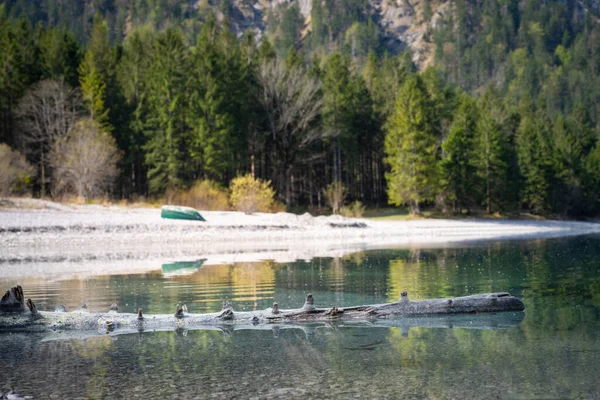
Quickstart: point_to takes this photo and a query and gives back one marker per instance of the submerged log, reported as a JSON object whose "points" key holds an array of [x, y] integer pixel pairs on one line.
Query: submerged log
{"points": [[12, 318]]}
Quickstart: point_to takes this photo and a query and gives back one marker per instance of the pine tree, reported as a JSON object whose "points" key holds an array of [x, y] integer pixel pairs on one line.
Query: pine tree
{"points": [[93, 88], [20, 68], [60, 55], [166, 128], [132, 76], [217, 89], [535, 156], [458, 166], [492, 152], [96, 73], [410, 147], [336, 106]]}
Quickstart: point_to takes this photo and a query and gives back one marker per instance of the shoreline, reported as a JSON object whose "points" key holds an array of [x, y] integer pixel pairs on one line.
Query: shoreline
{"points": [[91, 240]]}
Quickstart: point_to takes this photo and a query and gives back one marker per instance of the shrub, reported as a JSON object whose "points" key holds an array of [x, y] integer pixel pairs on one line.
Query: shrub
{"points": [[250, 195], [354, 210], [278, 207], [203, 195], [334, 196], [15, 172]]}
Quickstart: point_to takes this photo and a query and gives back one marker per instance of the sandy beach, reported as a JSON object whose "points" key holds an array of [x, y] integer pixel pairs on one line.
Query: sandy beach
{"points": [[48, 239]]}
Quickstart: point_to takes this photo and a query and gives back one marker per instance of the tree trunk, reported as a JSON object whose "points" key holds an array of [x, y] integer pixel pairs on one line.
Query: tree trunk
{"points": [[43, 178], [288, 186]]}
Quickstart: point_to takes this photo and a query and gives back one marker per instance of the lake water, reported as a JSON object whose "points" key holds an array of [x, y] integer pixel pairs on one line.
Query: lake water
{"points": [[554, 352]]}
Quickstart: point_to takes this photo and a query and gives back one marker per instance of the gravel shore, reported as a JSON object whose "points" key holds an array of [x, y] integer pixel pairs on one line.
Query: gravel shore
{"points": [[37, 232]]}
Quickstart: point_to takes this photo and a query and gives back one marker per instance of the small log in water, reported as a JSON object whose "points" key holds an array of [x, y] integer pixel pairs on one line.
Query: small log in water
{"points": [[15, 314]]}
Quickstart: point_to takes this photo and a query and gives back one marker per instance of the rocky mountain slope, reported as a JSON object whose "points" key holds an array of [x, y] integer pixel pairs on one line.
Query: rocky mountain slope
{"points": [[401, 22]]}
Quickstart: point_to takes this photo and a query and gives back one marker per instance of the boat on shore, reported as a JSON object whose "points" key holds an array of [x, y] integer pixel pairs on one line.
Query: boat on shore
{"points": [[180, 212]]}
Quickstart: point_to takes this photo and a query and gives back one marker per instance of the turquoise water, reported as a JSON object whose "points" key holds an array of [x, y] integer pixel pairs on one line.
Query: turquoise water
{"points": [[554, 352]]}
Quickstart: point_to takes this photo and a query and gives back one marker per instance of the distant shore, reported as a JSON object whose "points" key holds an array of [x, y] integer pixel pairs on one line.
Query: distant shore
{"points": [[55, 234]]}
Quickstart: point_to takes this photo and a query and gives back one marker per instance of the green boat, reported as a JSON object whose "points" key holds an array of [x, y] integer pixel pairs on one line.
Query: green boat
{"points": [[179, 212]]}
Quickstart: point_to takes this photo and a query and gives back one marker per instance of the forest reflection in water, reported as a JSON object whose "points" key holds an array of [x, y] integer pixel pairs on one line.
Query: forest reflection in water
{"points": [[554, 352]]}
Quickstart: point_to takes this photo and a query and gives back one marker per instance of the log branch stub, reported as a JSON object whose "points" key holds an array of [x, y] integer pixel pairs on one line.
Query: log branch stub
{"points": [[180, 311], [309, 303], [226, 311], [275, 309], [404, 296], [31, 306], [82, 309], [139, 312], [13, 300], [334, 311]]}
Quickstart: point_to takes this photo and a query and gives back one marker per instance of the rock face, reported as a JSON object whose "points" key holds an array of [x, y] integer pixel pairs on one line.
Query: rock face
{"points": [[400, 21]]}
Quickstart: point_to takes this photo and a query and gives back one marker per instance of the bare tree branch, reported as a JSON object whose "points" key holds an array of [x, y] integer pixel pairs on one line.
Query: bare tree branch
{"points": [[46, 112], [293, 105]]}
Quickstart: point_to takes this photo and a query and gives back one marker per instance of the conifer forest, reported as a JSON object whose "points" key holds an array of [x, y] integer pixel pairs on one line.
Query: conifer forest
{"points": [[497, 112]]}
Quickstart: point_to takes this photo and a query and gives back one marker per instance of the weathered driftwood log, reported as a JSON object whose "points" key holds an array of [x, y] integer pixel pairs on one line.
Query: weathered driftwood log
{"points": [[15, 315], [483, 321]]}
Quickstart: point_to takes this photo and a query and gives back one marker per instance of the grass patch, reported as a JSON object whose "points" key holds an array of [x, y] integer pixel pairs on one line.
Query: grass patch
{"points": [[403, 214], [389, 214]]}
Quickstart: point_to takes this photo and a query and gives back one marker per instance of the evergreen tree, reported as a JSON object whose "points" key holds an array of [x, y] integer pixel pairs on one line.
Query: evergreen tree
{"points": [[535, 155], [60, 55], [410, 147], [291, 26], [93, 88], [218, 107], [493, 151], [20, 68], [336, 106], [96, 73], [458, 164], [132, 76], [166, 128]]}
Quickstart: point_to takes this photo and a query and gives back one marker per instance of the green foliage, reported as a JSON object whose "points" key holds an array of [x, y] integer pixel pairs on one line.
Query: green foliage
{"points": [[251, 195], [410, 147], [187, 101], [96, 72], [213, 123], [19, 58], [291, 26], [165, 126], [60, 55], [458, 163], [93, 88], [535, 156], [494, 152]]}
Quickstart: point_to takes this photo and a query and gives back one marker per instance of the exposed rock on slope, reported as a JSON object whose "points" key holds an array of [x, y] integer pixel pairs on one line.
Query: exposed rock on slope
{"points": [[400, 21]]}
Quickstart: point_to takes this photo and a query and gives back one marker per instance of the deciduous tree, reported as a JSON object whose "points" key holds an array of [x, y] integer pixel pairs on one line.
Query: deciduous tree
{"points": [[47, 112], [85, 160], [292, 102]]}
